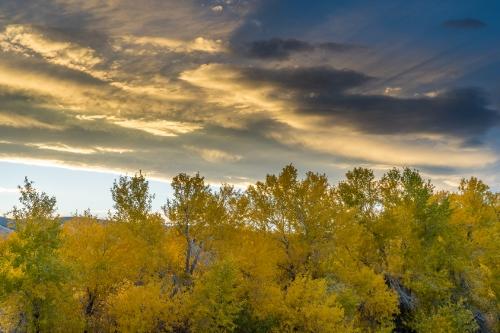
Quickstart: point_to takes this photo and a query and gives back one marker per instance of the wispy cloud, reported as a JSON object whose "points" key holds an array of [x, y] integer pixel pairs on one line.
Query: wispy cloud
{"points": [[156, 127], [60, 147], [464, 23], [199, 44], [29, 41], [4, 190], [20, 121], [215, 155]]}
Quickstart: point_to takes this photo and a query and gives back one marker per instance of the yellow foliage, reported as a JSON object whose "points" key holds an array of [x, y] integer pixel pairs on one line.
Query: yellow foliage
{"points": [[308, 307], [286, 255], [142, 308]]}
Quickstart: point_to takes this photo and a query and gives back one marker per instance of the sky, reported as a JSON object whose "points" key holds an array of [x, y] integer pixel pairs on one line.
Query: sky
{"points": [[236, 89]]}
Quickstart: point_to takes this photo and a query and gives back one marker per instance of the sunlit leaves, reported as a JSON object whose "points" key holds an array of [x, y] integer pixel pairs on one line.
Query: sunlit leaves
{"points": [[292, 253]]}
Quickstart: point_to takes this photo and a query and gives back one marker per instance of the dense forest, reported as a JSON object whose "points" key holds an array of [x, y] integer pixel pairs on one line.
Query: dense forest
{"points": [[288, 254]]}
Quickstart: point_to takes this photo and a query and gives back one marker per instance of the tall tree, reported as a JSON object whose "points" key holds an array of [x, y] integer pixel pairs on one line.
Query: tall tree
{"points": [[31, 272], [187, 212]]}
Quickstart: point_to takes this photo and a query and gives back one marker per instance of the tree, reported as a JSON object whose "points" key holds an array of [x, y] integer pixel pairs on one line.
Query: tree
{"points": [[216, 300], [447, 318], [299, 214], [289, 254], [133, 208], [132, 200], [308, 307], [360, 191], [143, 308], [102, 257], [31, 272], [187, 212]]}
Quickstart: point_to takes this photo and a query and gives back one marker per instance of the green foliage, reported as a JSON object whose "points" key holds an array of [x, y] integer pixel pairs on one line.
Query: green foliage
{"points": [[32, 275], [447, 318], [289, 254], [132, 198], [215, 302]]}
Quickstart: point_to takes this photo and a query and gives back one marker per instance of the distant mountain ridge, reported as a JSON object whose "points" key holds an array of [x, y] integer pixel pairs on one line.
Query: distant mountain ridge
{"points": [[4, 221], [5, 228]]}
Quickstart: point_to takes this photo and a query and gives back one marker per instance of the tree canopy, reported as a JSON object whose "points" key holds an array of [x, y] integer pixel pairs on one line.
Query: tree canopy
{"points": [[288, 254]]}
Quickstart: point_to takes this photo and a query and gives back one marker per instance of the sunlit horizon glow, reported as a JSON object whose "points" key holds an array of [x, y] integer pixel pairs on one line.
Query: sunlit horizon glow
{"points": [[238, 89]]}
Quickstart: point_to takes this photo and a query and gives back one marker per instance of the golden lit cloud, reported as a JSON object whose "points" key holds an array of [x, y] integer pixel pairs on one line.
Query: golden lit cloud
{"points": [[229, 88], [19, 121], [215, 155], [392, 150], [28, 41], [62, 148], [158, 87], [156, 127], [199, 44], [79, 150], [67, 91], [113, 150], [226, 87]]}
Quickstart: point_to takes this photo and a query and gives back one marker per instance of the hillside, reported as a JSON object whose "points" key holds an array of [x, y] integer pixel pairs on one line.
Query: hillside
{"points": [[3, 221], [4, 226]]}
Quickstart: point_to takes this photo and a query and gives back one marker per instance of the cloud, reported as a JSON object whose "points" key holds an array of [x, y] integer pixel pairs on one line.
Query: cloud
{"points": [[327, 92], [229, 89], [462, 113], [276, 48], [215, 155], [319, 110], [176, 19], [280, 49], [464, 23], [28, 41], [155, 127], [330, 94], [20, 121], [337, 47], [4, 190], [318, 79], [217, 9], [173, 87], [32, 78], [199, 44], [60, 147], [388, 149], [394, 91], [247, 93]]}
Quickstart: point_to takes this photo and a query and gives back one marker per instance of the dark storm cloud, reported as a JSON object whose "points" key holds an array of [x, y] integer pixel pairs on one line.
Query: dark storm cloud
{"points": [[325, 91], [276, 48], [462, 112], [337, 47], [465, 23], [320, 79], [280, 49]]}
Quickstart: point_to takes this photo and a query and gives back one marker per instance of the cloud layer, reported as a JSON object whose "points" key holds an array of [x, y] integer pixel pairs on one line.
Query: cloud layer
{"points": [[221, 88], [280, 49]]}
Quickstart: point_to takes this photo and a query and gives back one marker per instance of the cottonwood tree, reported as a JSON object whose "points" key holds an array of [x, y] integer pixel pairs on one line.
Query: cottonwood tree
{"points": [[188, 212], [31, 272]]}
